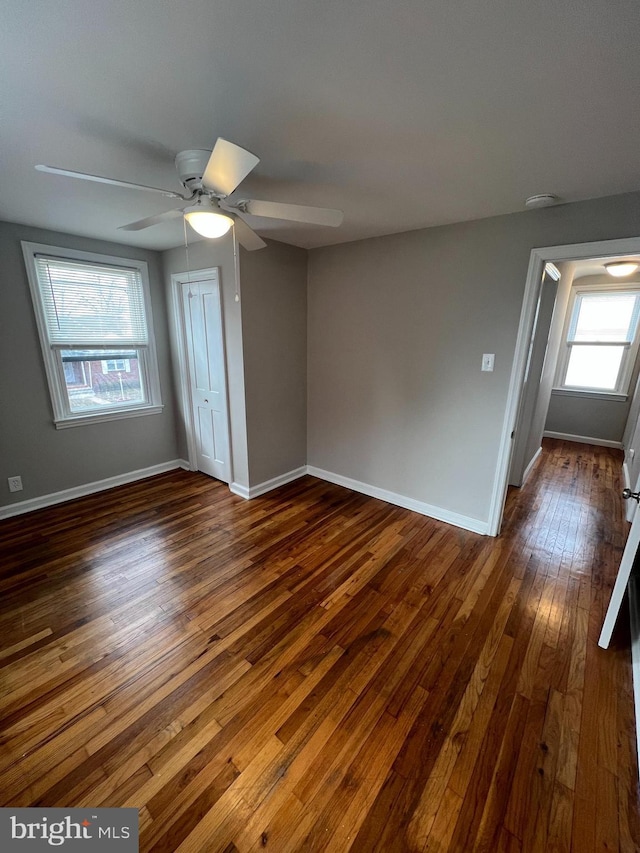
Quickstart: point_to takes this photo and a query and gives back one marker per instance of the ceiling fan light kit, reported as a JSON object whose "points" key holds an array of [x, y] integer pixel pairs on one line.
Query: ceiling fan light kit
{"points": [[210, 177], [207, 219]]}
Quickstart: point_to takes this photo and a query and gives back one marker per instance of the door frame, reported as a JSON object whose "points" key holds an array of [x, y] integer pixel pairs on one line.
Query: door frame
{"points": [[537, 260], [184, 379]]}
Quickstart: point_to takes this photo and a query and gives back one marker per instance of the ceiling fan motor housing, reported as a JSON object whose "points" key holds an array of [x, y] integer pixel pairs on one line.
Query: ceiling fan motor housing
{"points": [[191, 165]]}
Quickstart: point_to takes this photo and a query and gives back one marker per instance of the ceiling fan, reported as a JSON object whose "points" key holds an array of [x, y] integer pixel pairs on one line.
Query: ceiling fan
{"points": [[209, 178]]}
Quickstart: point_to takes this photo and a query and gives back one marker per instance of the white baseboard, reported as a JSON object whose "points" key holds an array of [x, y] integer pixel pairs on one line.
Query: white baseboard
{"points": [[472, 524], [583, 439], [467, 523], [634, 610], [261, 488], [89, 488], [240, 491], [529, 467]]}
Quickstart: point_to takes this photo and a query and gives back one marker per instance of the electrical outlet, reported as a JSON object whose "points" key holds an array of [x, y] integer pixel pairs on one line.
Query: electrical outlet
{"points": [[15, 484]]}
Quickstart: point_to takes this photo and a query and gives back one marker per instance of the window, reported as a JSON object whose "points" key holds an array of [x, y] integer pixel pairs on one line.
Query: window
{"points": [[96, 333], [116, 364], [601, 341]]}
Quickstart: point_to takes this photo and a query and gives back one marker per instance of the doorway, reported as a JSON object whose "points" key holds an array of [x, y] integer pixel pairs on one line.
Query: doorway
{"points": [[538, 260], [202, 370]]}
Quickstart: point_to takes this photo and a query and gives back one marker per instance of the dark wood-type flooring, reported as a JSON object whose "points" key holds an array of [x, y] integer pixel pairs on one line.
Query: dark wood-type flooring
{"points": [[318, 670]]}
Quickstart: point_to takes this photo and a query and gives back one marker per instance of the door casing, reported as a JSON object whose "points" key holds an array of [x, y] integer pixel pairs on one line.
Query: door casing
{"points": [[182, 361], [537, 261]]}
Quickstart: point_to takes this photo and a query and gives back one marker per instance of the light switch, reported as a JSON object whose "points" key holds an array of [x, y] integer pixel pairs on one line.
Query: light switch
{"points": [[487, 361]]}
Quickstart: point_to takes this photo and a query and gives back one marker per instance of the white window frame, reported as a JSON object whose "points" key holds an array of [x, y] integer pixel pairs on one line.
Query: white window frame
{"points": [[628, 361], [148, 363]]}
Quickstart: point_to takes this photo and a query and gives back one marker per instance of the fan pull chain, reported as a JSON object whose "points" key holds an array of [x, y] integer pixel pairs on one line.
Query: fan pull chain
{"points": [[186, 251], [236, 265]]}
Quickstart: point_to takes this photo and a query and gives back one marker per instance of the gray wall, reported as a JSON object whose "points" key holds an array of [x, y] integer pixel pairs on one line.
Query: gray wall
{"points": [[396, 329], [51, 460], [274, 317], [206, 254], [397, 326], [587, 416]]}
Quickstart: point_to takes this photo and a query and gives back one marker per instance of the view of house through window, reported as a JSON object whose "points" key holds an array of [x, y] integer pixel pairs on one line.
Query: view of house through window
{"points": [[98, 378], [94, 325], [601, 341]]}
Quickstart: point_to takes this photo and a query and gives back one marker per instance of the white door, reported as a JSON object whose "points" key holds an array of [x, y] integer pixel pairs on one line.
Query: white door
{"points": [[202, 311], [622, 579], [531, 418], [632, 458]]}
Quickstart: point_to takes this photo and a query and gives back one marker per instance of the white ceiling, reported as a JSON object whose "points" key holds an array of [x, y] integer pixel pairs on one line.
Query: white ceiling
{"points": [[404, 114], [589, 267]]}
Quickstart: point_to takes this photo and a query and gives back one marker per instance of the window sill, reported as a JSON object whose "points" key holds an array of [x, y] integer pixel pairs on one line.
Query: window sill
{"points": [[614, 396], [101, 417]]}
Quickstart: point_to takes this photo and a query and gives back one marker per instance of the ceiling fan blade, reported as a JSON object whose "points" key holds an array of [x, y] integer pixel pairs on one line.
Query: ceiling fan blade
{"points": [[247, 237], [293, 212], [68, 173], [228, 166], [151, 220]]}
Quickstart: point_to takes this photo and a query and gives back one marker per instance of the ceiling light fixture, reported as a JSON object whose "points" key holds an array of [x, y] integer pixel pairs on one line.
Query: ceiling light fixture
{"points": [[621, 268], [206, 218], [541, 200]]}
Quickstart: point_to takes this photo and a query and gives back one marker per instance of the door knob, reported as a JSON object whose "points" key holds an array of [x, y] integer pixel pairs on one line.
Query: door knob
{"points": [[627, 493]]}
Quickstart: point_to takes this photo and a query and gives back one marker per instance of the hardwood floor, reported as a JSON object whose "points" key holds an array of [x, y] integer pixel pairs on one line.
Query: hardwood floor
{"points": [[318, 670]]}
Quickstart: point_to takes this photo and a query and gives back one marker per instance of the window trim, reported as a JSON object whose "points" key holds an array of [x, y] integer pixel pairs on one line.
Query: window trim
{"points": [[63, 417], [629, 356]]}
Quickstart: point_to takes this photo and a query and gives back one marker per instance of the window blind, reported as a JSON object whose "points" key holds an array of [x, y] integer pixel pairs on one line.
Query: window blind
{"points": [[91, 305]]}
